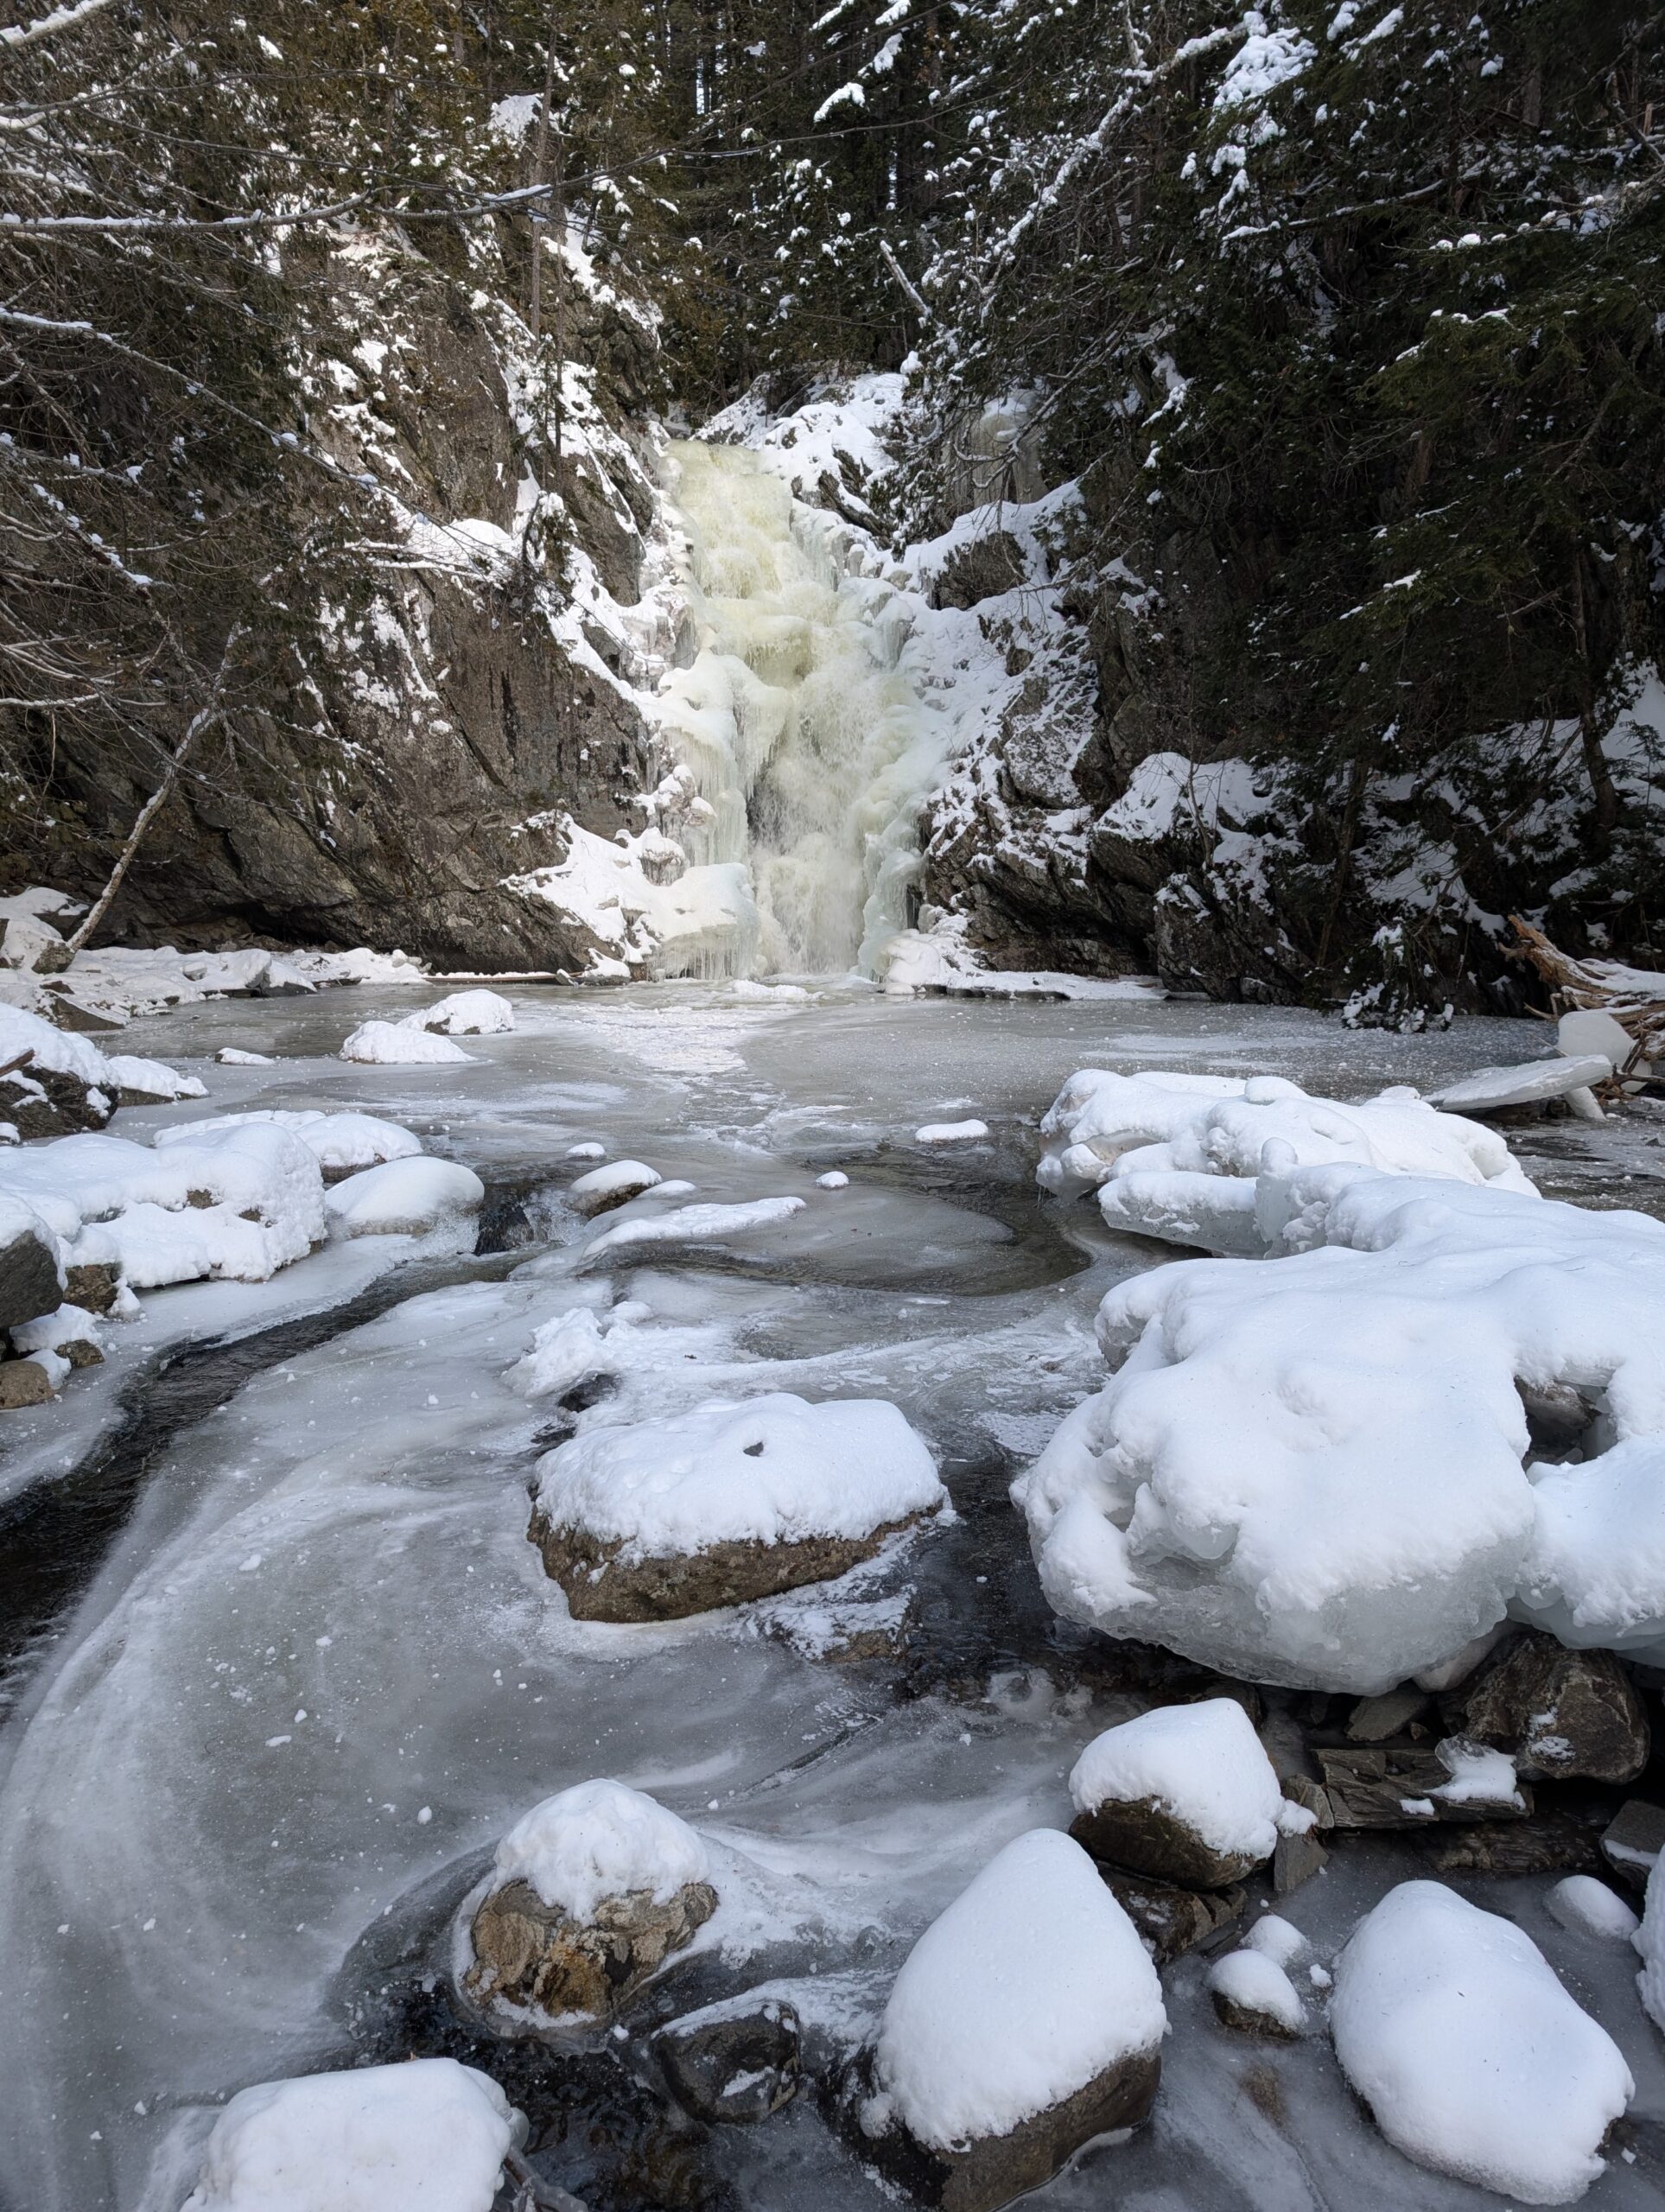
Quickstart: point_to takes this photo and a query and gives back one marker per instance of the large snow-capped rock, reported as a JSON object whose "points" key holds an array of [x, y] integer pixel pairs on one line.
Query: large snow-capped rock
{"points": [[466, 1013], [437, 1199], [1027, 2020], [1184, 1792], [238, 1201], [427, 2135], [726, 1503], [1310, 1469], [55, 1083], [342, 1143], [1474, 2061], [1176, 1155], [589, 1892], [398, 1043]]}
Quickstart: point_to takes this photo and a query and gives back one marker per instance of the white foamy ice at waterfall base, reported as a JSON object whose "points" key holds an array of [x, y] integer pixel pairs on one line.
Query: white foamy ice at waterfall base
{"points": [[1030, 1985], [1309, 1469], [429, 2135], [1176, 1155], [1473, 2059]]}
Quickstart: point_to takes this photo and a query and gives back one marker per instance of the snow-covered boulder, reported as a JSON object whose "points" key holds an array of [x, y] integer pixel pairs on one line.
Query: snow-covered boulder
{"points": [[1474, 2061], [1253, 1995], [1588, 1907], [466, 1013], [1185, 1792], [149, 1083], [74, 1333], [588, 1894], [1176, 1155], [427, 2135], [1310, 1471], [395, 1043], [1025, 2021], [599, 1189], [342, 1143], [239, 1202], [55, 1083], [727, 1503], [437, 1199], [969, 1132]]}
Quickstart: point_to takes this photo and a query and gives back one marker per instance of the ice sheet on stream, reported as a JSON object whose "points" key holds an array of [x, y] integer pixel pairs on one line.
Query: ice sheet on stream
{"points": [[395, 1528]]}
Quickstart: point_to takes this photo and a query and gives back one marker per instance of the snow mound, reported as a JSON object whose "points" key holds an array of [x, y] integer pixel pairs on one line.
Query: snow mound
{"points": [[1449, 2022], [239, 1202], [600, 1840], [392, 1044], [613, 1183], [1310, 1471], [1253, 1981], [1177, 1155], [834, 1180], [774, 1470], [1028, 1988], [573, 1347], [1589, 1908], [150, 1078], [410, 1197], [1202, 1763], [950, 1131], [694, 1226], [340, 1142], [465, 1014], [427, 2135]]}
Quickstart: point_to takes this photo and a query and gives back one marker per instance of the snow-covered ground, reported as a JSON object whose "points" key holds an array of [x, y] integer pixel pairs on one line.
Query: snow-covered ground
{"points": [[320, 1672]]}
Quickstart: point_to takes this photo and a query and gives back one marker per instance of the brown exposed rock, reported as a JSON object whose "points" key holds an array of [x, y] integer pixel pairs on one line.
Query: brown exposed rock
{"points": [[1173, 1921], [30, 1282], [94, 1286], [44, 1102], [1144, 1836], [22, 1382], [538, 1958], [1378, 1719], [1296, 1860], [735, 2062], [1547, 1844], [1249, 2020], [997, 2169], [603, 1585], [1564, 1713]]}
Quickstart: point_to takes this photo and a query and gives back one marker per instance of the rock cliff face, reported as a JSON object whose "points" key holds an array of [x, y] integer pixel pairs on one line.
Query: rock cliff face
{"points": [[443, 722]]}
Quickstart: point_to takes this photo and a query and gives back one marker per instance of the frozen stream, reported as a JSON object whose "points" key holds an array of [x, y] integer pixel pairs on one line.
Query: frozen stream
{"points": [[317, 1668]]}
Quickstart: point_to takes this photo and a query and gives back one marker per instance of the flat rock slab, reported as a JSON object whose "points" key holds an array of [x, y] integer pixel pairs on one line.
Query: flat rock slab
{"points": [[1633, 1840], [602, 1584], [538, 1959], [1488, 1089], [1372, 1790], [1142, 1835], [998, 2169]]}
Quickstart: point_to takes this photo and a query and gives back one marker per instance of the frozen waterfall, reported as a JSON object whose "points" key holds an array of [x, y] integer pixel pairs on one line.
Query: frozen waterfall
{"points": [[808, 737]]}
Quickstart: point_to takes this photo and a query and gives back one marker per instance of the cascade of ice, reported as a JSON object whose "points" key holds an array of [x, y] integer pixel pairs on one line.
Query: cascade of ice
{"points": [[807, 739]]}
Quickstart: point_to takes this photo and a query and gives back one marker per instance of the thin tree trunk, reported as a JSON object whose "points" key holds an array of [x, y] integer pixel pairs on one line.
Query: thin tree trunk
{"points": [[559, 220], [204, 719], [541, 175]]}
